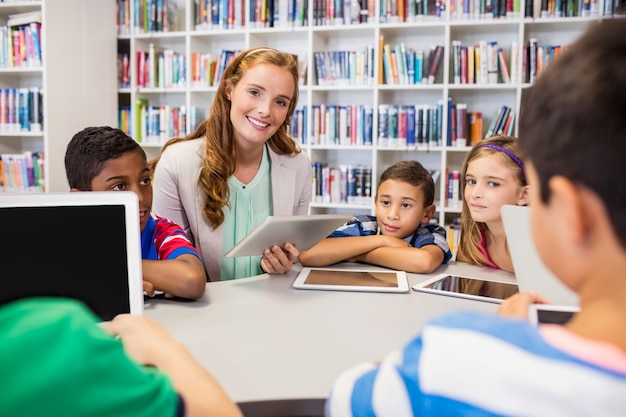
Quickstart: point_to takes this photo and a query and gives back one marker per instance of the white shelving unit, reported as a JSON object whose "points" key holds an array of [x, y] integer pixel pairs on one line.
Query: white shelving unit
{"points": [[77, 78], [303, 41]]}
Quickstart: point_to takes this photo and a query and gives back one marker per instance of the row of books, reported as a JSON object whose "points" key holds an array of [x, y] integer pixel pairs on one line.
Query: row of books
{"points": [[409, 126], [298, 125], [207, 70], [219, 14], [400, 11], [536, 58], [342, 125], [154, 125], [464, 128], [159, 69], [502, 123], [453, 197], [20, 46], [21, 109], [409, 66], [342, 12], [161, 15], [22, 172], [345, 67], [573, 8], [413, 126], [483, 63], [278, 13], [167, 68], [346, 184], [484, 9], [148, 16]]}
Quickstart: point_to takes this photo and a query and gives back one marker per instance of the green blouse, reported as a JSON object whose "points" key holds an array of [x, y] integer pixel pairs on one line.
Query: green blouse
{"points": [[250, 204]]}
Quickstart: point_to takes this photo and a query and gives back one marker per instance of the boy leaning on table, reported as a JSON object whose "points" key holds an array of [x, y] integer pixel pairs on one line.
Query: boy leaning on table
{"points": [[400, 236], [573, 130]]}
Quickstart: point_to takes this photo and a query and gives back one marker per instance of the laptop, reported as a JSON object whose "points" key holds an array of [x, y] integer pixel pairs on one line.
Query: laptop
{"points": [[530, 271], [82, 245]]}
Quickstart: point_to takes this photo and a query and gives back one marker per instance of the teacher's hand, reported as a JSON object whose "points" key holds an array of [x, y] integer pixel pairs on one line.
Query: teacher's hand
{"points": [[279, 260]]}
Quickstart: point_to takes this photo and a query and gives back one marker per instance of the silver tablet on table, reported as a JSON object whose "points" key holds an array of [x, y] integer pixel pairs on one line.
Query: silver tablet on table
{"points": [[466, 287], [302, 231]]}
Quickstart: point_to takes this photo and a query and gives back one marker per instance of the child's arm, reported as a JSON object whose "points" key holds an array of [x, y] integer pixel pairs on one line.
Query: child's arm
{"points": [[416, 260], [149, 343], [332, 250], [182, 276]]}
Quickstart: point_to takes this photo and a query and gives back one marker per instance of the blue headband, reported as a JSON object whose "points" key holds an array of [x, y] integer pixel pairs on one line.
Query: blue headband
{"points": [[506, 151]]}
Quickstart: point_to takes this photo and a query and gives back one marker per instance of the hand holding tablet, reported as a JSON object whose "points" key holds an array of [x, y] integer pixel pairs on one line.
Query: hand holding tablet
{"points": [[302, 231]]}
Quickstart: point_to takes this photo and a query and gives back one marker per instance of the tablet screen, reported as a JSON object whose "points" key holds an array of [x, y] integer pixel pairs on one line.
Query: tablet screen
{"points": [[467, 287], [359, 278], [346, 279], [554, 317], [551, 314]]}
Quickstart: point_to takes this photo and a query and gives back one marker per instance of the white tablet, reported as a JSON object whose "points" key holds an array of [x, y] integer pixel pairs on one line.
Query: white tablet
{"points": [[336, 279], [466, 287], [551, 313], [303, 231]]}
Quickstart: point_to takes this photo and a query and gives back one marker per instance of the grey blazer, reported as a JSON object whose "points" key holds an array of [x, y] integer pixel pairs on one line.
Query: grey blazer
{"points": [[177, 195]]}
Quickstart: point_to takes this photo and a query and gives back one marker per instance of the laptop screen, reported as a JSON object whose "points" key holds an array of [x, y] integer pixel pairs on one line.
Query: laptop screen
{"points": [[70, 248]]}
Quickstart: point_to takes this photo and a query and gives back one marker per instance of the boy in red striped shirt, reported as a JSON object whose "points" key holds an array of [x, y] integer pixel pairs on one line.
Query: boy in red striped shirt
{"points": [[107, 159]]}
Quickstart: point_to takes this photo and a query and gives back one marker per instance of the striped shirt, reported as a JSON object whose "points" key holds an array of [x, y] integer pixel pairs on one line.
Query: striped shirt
{"points": [[468, 363], [164, 239], [426, 234]]}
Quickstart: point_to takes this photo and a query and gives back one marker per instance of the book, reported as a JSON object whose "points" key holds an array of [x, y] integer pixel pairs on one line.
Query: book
{"points": [[435, 64], [492, 62], [492, 125], [19, 19], [475, 127], [501, 121], [502, 67], [456, 62], [461, 124]]}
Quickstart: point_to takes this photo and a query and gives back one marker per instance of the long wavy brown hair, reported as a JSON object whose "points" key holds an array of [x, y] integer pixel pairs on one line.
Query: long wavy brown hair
{"points": [[220, 161], [471, 237]]}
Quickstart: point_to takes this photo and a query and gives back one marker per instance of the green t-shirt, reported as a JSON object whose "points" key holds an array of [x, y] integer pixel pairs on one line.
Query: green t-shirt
{"points": [[56, 361]]}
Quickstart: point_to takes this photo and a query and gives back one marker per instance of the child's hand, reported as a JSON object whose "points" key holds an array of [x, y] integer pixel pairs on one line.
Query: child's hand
{"points": [[144, 339], [517, 305], [279, 260], [148, 288]]}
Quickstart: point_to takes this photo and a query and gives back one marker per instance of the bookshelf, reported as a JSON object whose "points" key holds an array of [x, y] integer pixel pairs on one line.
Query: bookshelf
{"points": [[305, 37], [75, 82]]}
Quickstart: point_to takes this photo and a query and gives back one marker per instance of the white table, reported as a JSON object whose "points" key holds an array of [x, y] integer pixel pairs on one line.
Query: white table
{"points": [[277, 350]]}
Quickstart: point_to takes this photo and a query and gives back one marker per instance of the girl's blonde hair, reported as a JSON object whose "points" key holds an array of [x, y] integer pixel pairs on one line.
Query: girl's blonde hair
{"points": [[220, 160], [507, 150]]}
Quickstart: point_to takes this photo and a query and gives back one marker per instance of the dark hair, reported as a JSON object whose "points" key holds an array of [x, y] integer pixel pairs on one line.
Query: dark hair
{"points": [[90, 148], [572, 120], [414, 173]]}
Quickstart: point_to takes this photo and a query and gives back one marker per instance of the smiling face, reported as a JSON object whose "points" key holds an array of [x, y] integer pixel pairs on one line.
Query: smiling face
{"points": [[260, 103], [489, 184], [129, 172], [400, 208]]}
